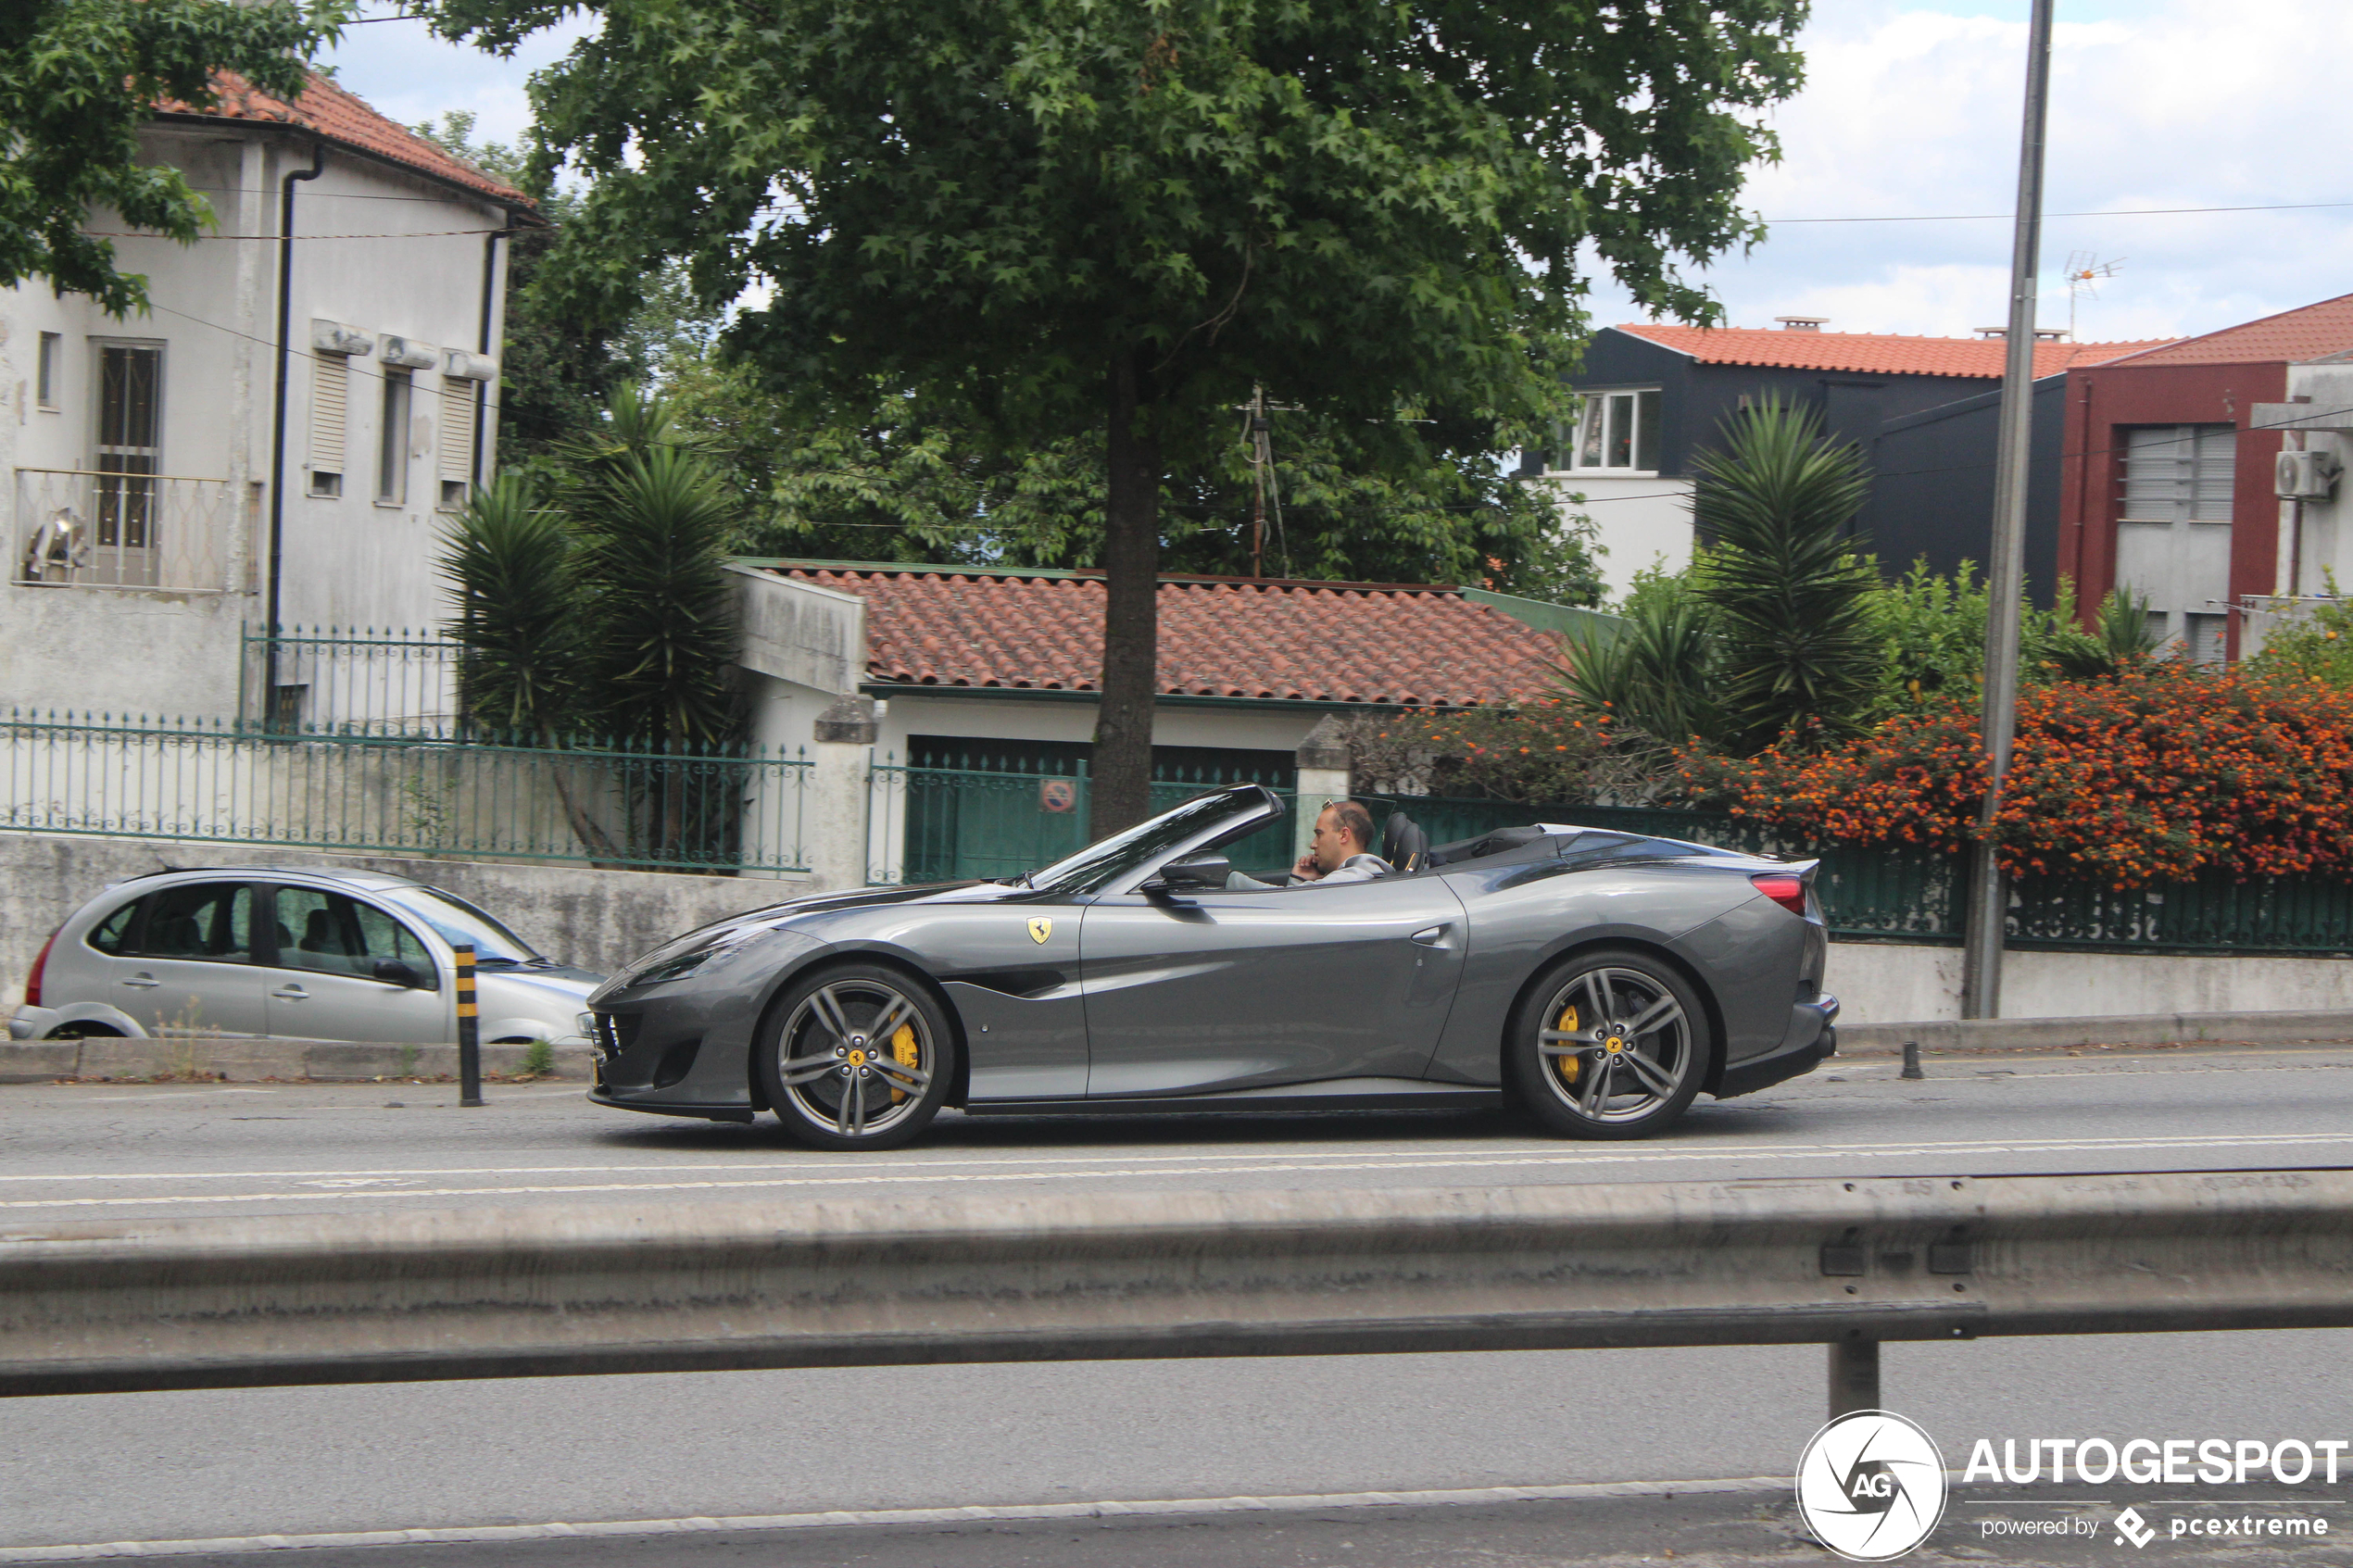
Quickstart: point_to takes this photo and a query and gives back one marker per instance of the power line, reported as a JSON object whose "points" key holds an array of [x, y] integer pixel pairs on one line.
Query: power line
{"points": [[2110, 212]]}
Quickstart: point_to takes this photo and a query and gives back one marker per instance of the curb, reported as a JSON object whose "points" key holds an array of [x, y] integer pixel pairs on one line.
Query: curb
{"points": [[254, 1060], [2062, 1034]]}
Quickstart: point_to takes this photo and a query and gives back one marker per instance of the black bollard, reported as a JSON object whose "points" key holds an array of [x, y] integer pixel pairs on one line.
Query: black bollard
{"points": [[1912, 1059], [469, 1028]]}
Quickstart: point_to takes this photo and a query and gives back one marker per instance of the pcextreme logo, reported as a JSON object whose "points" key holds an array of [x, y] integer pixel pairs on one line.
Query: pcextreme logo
{"points": [[1870, 1485]]}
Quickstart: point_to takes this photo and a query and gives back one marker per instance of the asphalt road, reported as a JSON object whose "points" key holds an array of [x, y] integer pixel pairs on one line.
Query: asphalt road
{"points": [[142, 1150], [749, 1446]]}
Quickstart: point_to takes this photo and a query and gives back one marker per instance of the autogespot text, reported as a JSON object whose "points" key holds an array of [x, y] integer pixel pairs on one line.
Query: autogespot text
{"points": [[2151, 1461]]}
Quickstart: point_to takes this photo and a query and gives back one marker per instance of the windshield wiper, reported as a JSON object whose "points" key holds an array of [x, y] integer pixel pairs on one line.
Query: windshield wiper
{"points": [[1020, 881]]}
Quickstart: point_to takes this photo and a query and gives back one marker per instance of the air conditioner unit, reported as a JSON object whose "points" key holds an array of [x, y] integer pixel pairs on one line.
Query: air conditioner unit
{"points": [[2306, 476], [334, 337], [407, 352], [458, 365]]}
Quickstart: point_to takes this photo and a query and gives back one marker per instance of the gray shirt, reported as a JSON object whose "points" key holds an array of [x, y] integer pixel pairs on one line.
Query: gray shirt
{"points": [[1356, 868]]}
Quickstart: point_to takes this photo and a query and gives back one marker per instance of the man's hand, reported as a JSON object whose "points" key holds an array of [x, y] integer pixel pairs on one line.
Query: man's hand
{"points": [[1307, 870]]}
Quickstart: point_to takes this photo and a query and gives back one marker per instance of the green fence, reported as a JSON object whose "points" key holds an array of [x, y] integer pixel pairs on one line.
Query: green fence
{"points": [[412, 794], [1896, 895], [955, 824]]}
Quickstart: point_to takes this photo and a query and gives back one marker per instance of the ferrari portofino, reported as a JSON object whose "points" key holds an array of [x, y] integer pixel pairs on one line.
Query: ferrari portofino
{"points": [[1601, 980]]}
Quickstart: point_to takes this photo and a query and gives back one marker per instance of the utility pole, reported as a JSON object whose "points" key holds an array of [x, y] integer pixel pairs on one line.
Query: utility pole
{"points": [[2006, 571]]}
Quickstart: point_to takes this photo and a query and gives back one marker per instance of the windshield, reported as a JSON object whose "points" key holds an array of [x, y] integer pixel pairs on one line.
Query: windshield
{"points": [[457, 920], [1099, 864]]}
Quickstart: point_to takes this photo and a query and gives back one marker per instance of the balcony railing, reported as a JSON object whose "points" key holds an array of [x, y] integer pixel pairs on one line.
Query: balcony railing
{"points": [[81, 527]]}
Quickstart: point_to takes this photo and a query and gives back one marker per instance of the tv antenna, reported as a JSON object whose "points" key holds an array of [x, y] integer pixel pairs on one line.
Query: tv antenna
{"points": [[2086, 273]]}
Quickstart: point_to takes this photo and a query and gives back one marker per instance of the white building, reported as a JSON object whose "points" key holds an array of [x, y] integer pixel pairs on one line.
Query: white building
{"points": [[278, 440], [2316, 503]]}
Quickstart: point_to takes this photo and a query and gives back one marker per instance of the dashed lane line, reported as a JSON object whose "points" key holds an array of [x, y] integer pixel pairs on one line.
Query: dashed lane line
{"points": [[1208, 1166], [949, 1167], [846, 1518]]}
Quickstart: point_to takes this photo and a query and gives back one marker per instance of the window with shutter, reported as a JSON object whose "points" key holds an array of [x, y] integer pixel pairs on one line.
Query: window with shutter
{"points": [[457, 440], [330, 422], [2173, 531]]}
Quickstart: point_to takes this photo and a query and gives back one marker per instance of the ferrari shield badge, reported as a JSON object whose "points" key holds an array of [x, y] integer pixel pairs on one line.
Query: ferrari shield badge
{"points": [[1041, 928]]}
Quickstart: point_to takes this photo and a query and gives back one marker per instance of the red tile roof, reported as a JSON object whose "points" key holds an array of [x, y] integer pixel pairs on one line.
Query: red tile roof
{"points": [[1871, 354], [2310, 332], [345, 121], [1300, 641]]}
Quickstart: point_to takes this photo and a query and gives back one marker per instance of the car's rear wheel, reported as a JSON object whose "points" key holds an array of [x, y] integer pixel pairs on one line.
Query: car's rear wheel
{"points": [[1613, 1044], [859, 1056]]}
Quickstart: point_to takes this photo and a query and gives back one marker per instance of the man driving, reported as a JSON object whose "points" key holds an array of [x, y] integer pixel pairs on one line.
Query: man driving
{"points": [[1336, 854]]}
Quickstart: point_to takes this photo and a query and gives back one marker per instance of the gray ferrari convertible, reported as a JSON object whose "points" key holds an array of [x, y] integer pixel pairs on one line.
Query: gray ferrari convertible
{"points": [[1601, 980]]}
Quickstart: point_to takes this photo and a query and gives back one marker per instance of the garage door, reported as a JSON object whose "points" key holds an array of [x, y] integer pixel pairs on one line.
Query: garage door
{"points": [[2174, 536]]}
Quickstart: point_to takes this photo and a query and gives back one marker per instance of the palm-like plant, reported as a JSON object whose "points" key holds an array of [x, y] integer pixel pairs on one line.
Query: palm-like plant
{"points": [[652, 534], [508, 561], [1789, 589], [1654, 670]]}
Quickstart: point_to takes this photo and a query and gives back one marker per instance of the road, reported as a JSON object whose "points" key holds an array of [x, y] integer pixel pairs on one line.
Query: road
{"points": [[470, 1457]]}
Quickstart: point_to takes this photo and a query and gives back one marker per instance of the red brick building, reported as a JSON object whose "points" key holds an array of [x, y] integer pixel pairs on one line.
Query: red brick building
{"points": [[2166, 484]]}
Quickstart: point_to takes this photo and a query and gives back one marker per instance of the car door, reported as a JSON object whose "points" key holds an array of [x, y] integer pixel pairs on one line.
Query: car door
{"points": [[323, 981], [190, 961], [1193, 992]]}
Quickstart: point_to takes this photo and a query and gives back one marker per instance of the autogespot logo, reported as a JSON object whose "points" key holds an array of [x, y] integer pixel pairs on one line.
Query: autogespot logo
{"points": [[1870, 1485]]}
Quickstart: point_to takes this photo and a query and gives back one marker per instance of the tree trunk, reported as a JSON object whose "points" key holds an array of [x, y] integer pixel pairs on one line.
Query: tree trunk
{"points": [[1122, 765]]}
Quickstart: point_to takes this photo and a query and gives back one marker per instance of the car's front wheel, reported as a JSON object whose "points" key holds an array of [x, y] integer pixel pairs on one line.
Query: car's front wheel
{"points": [[1613, 1044], [857, 1055]]}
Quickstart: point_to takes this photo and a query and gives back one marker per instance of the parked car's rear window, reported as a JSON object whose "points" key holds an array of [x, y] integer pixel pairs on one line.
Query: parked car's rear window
{"points": [[112, 932], [203, 919]]}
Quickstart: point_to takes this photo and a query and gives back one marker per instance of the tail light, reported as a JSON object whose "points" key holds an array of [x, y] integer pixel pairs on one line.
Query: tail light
{"points": [[33, 981], [1785, 888]]}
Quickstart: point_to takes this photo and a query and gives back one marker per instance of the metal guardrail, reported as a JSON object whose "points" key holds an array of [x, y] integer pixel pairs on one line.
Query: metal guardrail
{"points": [[91, 1308]]}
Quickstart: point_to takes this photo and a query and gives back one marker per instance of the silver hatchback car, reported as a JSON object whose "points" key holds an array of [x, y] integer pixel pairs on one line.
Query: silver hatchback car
{"points": [[315, 955]]}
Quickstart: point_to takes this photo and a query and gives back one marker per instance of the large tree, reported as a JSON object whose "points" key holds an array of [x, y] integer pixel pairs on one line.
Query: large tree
{"points": [[1144, 208], [79, 78]]}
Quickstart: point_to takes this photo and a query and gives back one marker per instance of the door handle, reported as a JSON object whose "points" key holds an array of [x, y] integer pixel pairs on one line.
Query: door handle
{"points": [[143, 981], [292, 993], [1430, 935]]}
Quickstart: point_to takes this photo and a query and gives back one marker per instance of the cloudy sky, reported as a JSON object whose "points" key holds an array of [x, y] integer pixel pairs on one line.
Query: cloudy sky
{"points": [[1911, 110]]}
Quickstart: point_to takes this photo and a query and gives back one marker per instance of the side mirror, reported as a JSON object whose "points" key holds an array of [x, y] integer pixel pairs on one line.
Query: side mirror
{"points": [[394, 971], [1197, 871]]}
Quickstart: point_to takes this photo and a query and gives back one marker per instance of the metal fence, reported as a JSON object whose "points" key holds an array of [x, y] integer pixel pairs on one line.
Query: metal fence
{"points": [[1887, 894], [388, 680], [86, 529], [953, 824], [716, 810]]}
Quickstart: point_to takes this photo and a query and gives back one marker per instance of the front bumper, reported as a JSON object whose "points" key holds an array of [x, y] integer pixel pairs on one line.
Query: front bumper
{"points": [[1810, 1042]]}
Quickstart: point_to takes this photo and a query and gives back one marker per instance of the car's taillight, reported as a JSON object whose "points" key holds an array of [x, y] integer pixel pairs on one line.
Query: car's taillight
{"points": [[33, 981], [1785, 888]]}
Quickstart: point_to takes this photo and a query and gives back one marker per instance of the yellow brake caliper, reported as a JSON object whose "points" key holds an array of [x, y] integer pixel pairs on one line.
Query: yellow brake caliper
{"points": [[1566, 1065], [903, 1049]]}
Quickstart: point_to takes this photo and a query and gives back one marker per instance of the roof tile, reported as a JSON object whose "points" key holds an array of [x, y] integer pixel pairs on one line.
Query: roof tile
{"points": [[1870, 352], [1300, 642], [2309, 332], [341, 117]]}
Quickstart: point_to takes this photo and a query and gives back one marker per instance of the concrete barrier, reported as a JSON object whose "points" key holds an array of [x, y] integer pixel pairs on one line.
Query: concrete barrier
{"points": [[2053, 1033], [240, 1059], [92, 1307]]}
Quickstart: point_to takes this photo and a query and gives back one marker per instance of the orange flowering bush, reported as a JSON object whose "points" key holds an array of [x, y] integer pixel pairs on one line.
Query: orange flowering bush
{"points": [[2165, 772]]}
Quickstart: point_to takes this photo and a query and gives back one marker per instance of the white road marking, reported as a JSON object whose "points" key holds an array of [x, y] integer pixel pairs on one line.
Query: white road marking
{"points": [[949, 1167], [839, 1519], [1214, 1165]]}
